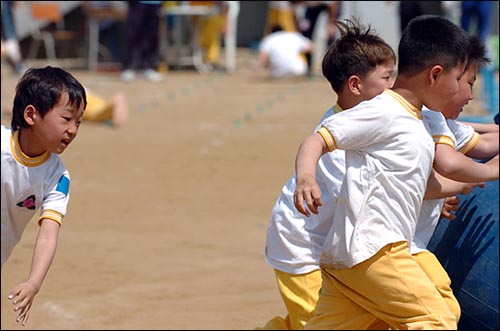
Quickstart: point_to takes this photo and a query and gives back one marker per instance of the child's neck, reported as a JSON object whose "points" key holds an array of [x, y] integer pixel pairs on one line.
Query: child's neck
{"points": [[408, 89], [346, 102], [27, 145]]}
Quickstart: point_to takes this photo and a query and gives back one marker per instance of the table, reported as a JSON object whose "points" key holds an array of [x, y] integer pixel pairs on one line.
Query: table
{"points": [[95, 15], [195, 57]]}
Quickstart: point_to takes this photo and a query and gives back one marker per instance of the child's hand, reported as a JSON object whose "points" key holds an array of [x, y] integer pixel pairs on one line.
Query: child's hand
{"points": [[450, 205], [307, 191], [22, 298], [493, 163], [468, 187]]}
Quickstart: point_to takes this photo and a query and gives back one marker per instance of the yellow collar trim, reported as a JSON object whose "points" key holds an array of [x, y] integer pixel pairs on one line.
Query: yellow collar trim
{"points": [[337, 109], [408, 106], [23, 158]]}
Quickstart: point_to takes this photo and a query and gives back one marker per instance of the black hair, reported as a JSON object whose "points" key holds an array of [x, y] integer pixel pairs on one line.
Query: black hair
{"points": [[477, 53], [429, 40], [42, 88], [276, 28], [358, 51]]}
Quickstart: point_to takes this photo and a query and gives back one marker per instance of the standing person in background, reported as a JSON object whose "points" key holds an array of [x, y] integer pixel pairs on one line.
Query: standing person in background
{"points": [[212, 28], [141, 40], [111, 30], [46, 114], [280, 13], [282, 51], [10, 43], [479, 13], [307, 18], [411, 9], [475, 18]]}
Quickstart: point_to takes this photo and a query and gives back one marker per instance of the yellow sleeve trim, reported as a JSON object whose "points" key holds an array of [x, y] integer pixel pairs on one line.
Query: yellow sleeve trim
{"points": [[328, 138], [470, 144], [51, 215], [444, 140]]}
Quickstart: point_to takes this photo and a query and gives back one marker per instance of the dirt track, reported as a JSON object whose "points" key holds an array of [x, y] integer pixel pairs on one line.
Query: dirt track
{"points": [[168, 214]]}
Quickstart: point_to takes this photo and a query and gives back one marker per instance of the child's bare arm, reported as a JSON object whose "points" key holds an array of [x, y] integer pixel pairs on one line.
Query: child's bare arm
{"points": [[439, 186], [307, 189], [454, 165], [482, 127], [45, 248], [486, 147]]}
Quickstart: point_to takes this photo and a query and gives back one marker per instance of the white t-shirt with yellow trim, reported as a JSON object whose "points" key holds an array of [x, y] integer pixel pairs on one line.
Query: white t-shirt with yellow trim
{"points": [[294, 241], [462, 138], [389, 156], [29, 185]]}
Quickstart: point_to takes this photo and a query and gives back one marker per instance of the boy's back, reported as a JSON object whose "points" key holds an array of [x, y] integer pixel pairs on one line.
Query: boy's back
{"points": [[381, 149]]}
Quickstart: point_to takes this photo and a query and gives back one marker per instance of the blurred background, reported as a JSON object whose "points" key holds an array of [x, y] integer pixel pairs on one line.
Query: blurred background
{"points": [[91, 35], [168, 215]]}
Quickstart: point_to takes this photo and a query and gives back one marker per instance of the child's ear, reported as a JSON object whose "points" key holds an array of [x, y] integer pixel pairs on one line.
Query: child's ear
{"points": [[434, 73], [30, 115], [354, 85]]}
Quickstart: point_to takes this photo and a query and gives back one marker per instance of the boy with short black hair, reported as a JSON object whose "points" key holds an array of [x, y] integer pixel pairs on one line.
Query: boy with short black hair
{"points": [[47, 112], [456, 144], [294, 242], [368, 273]]}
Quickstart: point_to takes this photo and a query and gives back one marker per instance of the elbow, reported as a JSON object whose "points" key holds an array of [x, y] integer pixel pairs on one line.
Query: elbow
{"points": [[448, 169]]}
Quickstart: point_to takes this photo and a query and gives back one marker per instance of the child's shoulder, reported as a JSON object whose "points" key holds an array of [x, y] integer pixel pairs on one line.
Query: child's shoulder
{"points": [[6, 132], [433, 116], [381, 100]]}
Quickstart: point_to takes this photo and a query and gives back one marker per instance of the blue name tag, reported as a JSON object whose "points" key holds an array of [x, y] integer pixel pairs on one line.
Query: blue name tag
{"points": [[63, 185]]}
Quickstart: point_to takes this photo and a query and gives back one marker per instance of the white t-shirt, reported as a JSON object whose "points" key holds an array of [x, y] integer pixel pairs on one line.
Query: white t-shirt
{"points": [[294, 241], [29, 185], [284, 49], [389, 156], [462, 138]]}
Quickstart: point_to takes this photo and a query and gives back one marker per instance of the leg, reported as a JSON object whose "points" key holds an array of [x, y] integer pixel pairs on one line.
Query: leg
{"points": [[120, 109], [210, 35], [483, 19], [277, 323], [133, 34], [390, 286], [311, 16], [436, 273], [300, 294], [336, 311], [466, 15], [149, 50], [407, 11], [99, 110]]}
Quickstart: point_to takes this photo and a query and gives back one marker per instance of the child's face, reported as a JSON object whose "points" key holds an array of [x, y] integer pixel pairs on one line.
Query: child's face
{"points": [[377, 81], [444, 88], [456, 104], [59, 126]]}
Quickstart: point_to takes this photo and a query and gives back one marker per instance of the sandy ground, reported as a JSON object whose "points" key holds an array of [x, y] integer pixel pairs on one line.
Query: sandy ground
{"points": [[168, 214]]}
